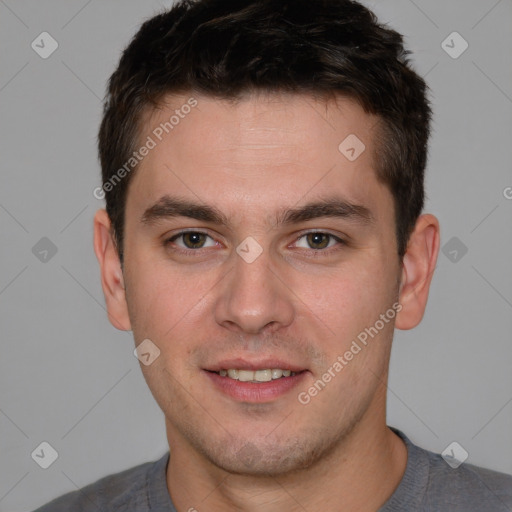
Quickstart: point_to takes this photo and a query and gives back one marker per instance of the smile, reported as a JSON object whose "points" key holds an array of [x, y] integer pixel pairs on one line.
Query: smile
{"points": [[265, 375], [255, 385]]}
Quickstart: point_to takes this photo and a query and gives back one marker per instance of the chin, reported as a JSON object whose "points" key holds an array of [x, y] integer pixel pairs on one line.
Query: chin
{"points": [[267, 459]]}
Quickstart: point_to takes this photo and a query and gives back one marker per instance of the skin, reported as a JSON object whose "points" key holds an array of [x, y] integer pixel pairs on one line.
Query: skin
{"points": [[297, 302]]}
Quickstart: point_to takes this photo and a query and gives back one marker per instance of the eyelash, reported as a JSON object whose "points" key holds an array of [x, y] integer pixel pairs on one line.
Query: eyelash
{"points": [[315, 252]]}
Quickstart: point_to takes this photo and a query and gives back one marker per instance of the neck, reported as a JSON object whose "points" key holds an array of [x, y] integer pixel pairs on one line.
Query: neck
{"points": [[361, 473]]}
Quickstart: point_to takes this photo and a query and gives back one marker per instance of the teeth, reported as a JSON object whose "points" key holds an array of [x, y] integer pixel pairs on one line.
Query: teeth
{"points": [[263, 375], [277, 373], [245, 376], [256, 376]]}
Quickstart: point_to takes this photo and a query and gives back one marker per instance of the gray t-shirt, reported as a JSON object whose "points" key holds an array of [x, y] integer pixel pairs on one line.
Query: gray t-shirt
{"points": [[429, 484]]}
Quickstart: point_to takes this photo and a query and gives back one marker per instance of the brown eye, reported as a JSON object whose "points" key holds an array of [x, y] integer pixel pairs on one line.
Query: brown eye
{"points": [[193, 240], [318, 240]]}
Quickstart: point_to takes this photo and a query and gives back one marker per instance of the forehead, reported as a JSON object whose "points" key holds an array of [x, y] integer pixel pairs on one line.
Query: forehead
{"points": [[265, 151]]}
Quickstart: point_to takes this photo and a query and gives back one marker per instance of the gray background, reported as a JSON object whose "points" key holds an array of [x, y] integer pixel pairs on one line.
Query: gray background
{"points": [[69, 378]]}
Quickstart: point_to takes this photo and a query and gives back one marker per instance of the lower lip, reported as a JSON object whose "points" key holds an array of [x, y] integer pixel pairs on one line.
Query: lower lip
{"points": [[256, 392]]}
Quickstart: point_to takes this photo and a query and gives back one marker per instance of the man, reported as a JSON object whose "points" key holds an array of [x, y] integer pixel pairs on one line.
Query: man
{"points": [[263, 171]]}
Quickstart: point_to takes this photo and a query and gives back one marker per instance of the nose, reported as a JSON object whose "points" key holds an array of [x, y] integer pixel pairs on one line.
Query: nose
{"points": [[254, 297]]}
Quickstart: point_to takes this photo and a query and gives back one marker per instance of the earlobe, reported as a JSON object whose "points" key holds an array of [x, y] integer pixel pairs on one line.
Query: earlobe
{"points": [[112, 279], [418, 267]]}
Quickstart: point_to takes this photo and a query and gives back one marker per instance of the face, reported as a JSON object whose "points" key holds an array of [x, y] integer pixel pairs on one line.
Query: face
{"points": [[253, 243]]}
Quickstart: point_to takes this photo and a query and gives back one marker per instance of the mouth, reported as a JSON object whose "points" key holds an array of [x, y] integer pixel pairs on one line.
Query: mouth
{"points": [[265, 375], [255, 383]]}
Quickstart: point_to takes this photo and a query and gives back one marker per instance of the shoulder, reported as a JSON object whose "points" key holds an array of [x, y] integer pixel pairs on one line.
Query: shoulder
{"points": [[468, 486], [123, 491], [431, 483]]}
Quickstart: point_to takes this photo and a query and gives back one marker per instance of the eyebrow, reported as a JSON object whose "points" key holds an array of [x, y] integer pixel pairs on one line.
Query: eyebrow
{"points": [[329, 207], [168, 207]]}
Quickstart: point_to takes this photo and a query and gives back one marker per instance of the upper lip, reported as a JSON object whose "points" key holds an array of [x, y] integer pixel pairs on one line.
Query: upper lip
{"points": [[261, 364]]}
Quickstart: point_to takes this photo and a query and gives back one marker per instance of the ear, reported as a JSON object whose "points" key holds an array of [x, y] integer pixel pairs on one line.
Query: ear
{"points": [[418, 267], [112, 280]]}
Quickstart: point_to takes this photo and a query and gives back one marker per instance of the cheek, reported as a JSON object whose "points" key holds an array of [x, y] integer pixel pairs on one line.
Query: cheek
{"points": [[162, 301], [346, 301]]}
